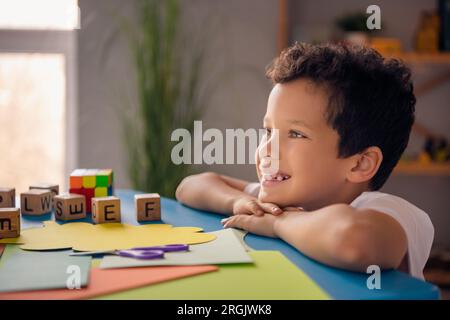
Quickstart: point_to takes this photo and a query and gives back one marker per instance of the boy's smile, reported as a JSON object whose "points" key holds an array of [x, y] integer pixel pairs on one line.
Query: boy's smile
{"points": [[310, 173]]}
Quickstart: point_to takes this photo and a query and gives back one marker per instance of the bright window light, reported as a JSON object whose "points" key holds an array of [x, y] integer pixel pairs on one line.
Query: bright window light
{"points": [[32, 119], [39, 14]]}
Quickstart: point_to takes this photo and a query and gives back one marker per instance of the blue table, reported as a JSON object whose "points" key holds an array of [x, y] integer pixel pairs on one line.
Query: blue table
{"points": [[339, 284]]}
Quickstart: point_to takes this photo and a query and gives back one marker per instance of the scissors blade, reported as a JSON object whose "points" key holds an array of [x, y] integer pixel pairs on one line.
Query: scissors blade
{"points": [[91, 253]]}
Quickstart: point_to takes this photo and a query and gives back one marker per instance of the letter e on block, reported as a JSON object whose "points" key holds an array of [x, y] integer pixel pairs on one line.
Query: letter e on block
{"points": [[106, 209], [148, 207], [9, 222], [70, 206]]}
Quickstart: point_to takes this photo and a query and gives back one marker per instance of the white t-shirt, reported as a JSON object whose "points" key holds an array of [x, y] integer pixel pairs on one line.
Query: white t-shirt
{"points": [[415, 222]]}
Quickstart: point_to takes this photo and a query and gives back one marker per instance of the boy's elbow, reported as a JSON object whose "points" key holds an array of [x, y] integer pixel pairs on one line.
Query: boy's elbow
{"points": [[191, 182], [356, 249], [179, 193]]}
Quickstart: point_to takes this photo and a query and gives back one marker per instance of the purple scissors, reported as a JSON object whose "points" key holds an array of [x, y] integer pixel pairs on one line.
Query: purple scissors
{"points": [[155, 252]]}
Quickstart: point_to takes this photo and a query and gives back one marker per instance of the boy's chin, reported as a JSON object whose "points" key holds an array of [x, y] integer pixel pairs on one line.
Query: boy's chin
{"points": [[272, 198]]}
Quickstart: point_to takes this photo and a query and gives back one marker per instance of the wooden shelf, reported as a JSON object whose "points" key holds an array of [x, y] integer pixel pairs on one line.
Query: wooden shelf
{"points": [[419, 169], [416, 57]]}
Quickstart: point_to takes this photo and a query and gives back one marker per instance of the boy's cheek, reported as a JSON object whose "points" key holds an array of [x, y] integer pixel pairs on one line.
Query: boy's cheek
{"points": [[257, 164]]}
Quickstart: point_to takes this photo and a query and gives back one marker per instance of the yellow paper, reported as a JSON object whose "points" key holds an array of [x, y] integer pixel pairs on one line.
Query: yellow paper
{"points": [[81, 236]]}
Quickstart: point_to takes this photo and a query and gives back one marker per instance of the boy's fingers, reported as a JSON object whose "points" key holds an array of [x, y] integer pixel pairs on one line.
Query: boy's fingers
{"points": [[223, 221], [228, 222], [293, 209], [255, 208], [237, 222], [271, 208]]}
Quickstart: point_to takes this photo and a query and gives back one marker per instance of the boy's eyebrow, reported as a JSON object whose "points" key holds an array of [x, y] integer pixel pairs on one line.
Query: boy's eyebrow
{"points": [[295, 122], [299, 122]]}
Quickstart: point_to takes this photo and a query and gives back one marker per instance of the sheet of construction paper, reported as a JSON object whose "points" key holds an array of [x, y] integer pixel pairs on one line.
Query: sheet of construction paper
{"points": [[81, 236], [241, 235], [227, 248], [25, 270], [113, 280], [271, 276]]}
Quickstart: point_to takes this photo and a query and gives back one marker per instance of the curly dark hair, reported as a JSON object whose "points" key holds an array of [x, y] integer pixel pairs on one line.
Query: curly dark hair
{"points": [[371, 99]]}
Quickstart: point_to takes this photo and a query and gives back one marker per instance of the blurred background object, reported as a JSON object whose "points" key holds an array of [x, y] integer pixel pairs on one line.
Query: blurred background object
{"points": [[353, 26], [427, 35], [169, 88]]}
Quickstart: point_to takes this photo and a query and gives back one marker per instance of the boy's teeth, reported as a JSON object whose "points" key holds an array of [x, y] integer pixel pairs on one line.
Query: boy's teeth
{"points": [[275, 177]]}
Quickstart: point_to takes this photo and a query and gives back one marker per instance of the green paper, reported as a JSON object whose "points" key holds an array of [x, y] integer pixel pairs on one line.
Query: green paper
{"points": [[271, 277], [227, 248], [22, 270]]}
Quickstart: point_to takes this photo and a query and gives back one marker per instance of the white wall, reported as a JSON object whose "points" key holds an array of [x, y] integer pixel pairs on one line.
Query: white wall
{"points": [[242, 44]]}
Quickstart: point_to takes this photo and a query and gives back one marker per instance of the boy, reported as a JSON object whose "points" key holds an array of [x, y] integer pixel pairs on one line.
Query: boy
{"points": [[343, 117]]}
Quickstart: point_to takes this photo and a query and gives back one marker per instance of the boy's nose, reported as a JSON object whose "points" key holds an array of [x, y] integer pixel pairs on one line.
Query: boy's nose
{"points": [[271, 147], [269, 165], [265, 162]]}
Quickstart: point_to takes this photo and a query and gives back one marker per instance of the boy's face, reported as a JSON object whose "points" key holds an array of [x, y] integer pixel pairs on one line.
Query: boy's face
{"points": [[308, 148]]}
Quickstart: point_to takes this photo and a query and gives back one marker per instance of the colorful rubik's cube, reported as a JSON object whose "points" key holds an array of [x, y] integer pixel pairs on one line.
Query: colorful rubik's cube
{"points": [[92, 183]]}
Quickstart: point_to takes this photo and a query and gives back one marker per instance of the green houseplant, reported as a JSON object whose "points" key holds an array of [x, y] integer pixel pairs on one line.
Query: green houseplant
{"points": [[353, 25], [169, 96]]}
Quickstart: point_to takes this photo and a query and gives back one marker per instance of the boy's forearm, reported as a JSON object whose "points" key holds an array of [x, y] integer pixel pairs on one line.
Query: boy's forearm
{"points": [[324, 235], [207, 191]]}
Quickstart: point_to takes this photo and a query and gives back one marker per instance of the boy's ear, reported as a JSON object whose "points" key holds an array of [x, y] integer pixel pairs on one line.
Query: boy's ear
{"points": [[365, 165]]}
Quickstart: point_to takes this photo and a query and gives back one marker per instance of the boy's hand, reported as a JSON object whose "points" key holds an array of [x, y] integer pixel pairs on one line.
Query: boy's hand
{"points": [[262, 225], [250, 206]]}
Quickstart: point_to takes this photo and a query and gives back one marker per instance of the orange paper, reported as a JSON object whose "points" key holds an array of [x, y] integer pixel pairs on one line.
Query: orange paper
{"points": [[106, 281], [2, 247]]}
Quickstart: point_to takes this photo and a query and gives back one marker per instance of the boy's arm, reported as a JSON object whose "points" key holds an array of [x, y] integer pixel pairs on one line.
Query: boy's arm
{"points": [[337, 235], [212, 192]]}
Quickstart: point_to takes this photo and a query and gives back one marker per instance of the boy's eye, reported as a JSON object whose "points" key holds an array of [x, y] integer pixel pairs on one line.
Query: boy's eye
{"points": [[296, 134]]}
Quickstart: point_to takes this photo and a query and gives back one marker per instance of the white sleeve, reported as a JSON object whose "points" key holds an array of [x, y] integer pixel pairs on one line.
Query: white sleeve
{"points": [[252, 189], [416, 224]]}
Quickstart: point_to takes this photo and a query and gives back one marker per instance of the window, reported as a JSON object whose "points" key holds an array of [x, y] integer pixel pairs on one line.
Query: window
{"points": [[37, 91], [39, 14]]}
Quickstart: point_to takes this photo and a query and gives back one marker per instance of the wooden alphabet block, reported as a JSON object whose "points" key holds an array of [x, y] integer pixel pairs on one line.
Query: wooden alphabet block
{"points": [[70, 207], [9, 222], [54, 188], [148, 207], [106, 209], [36, 202], [7, 197]]}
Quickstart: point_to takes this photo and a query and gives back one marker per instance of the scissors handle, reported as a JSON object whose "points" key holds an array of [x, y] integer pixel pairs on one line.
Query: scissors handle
{"points": [[141, 254], [166, 248]]}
